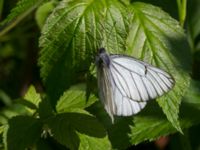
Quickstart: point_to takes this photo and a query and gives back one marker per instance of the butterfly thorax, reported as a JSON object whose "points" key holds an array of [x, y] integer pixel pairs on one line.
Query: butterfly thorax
{"points": [[102, 59]]}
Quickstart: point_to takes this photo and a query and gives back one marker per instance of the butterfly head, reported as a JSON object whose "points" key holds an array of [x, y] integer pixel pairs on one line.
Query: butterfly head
{"points": [[102, 58], [101, 50]]}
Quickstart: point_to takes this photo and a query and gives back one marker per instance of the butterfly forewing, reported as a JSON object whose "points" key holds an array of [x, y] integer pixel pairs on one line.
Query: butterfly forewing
{"points": [[145, 81]]}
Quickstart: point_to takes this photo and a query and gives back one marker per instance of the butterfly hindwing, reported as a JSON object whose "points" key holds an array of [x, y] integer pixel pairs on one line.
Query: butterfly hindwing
{"points": [[105, 90], [114, 102]]}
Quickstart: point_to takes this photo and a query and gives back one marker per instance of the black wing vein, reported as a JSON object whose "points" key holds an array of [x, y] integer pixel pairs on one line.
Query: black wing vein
{"points": [[136, 87], [156, 81], [127, 68], [123, 79]]}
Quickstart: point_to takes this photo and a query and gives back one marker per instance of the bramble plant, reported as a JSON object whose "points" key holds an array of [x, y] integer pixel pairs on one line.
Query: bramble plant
{"points": [[51, 45]]}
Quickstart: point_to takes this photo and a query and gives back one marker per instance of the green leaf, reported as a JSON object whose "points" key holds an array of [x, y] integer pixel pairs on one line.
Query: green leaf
{"points": [[193, 18], [119, 133], [125, 2], [30, 106], [64, 128], [193, 24], [5, 98], [73, 98], [151, 123], [158, 39], [158, 127], [98, 110], [42, 13], [88, 143], [70, 39], [169, 6], [192, 96], [2, 128], [18, 13], [12, 111], [23, 132], [33, 98], [150, 128], [4, 136], [45, 109]]}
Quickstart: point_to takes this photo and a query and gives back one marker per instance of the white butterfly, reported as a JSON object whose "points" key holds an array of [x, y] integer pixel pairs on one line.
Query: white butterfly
{"points": [[126, 84]]}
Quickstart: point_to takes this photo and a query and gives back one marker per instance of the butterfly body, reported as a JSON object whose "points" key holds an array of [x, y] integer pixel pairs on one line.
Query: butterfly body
{"points": [[126, 84]]}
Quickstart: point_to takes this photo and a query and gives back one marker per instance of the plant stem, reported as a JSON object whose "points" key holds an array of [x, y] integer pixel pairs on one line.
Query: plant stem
{"points": [[182, 9], [1, 8]]}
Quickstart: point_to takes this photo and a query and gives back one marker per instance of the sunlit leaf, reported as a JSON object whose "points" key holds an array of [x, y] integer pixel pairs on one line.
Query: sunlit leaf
{"points": [[71, 37], [73, 98], [157, 38]]}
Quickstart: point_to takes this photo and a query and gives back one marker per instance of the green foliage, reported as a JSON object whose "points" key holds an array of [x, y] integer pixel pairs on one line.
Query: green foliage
{"points": [[75, 130], [23, 132], [74, 98], [193, 24], [66, 112], [80, 24], [155, 34], [73, 123], [32, 97], [88, 143], [42, 12], [18, 13]]}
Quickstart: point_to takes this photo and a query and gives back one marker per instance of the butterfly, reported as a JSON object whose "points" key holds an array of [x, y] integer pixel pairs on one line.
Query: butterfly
{"points": [[126, 83]]}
